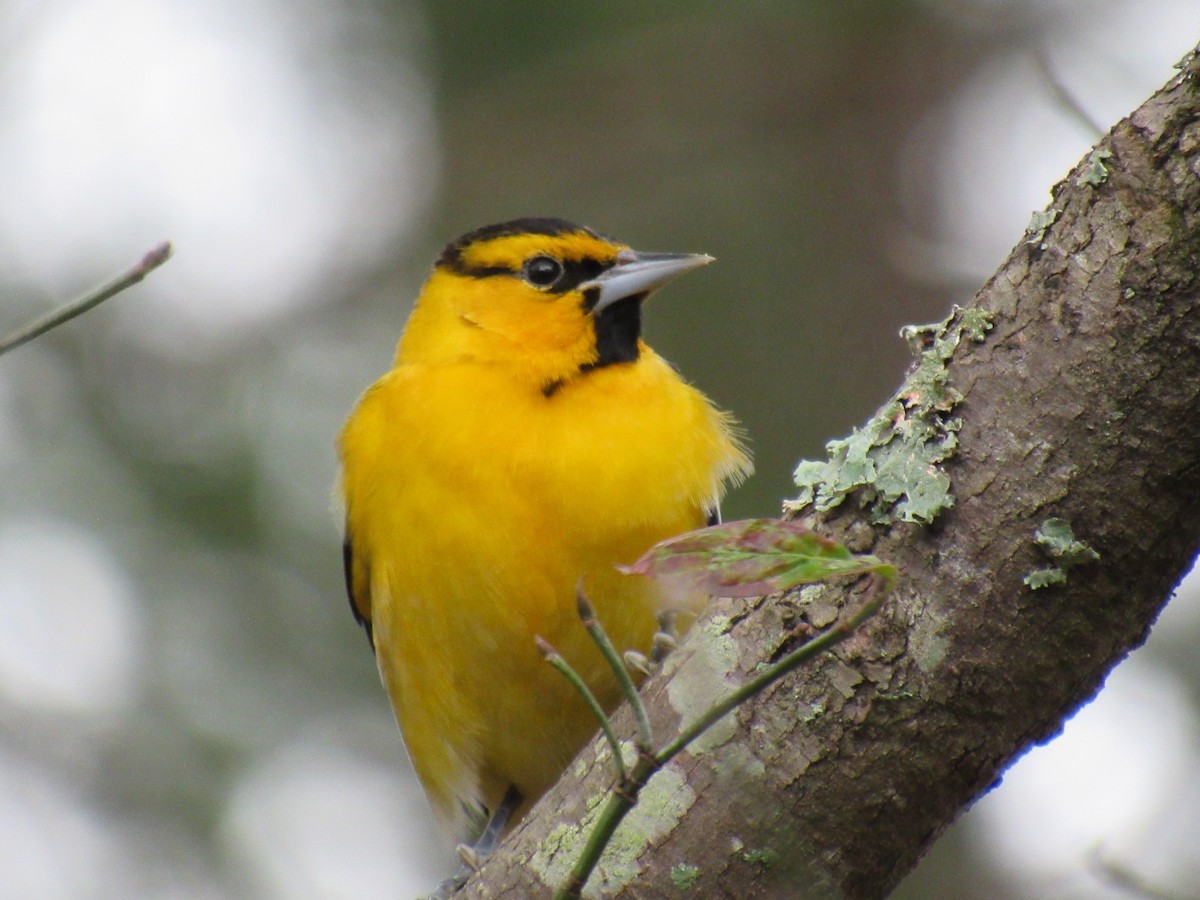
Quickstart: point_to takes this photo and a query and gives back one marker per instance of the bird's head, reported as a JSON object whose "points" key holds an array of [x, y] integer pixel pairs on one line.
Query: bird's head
{"points": [[545, 298]]}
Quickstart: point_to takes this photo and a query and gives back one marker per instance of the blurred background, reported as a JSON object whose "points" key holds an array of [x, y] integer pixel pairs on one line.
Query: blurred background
{"points": [[186, 708]]}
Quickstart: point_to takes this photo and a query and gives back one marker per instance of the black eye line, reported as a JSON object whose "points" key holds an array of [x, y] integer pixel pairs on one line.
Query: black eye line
{"points": [[575, 272]]}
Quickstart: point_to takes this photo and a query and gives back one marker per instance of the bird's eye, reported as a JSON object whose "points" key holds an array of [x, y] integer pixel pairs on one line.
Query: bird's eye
{"points": [[543, 271]]}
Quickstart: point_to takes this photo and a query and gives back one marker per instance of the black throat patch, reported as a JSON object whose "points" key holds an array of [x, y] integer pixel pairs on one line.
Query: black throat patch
{"points": [[618, 330]]}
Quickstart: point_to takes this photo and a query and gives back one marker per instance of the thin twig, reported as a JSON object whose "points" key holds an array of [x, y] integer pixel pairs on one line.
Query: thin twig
{"points": [[148, 263], [587, 615], [555, 659]]}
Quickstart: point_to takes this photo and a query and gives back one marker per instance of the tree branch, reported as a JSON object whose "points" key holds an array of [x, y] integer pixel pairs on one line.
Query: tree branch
{"points": [[1082, 404], [150, 261]]}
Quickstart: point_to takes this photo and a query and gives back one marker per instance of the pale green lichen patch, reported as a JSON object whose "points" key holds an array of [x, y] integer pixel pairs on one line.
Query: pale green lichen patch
{"points": [[976, 323], [714, 629], [554, 859], [684, 876], [1044, 578], [704, 673], [1039, 223], [1093, 171], [664, 800], [893, 462], [812, 713], [1057, 540], [764, 857], [581, 764], [602, 754]]}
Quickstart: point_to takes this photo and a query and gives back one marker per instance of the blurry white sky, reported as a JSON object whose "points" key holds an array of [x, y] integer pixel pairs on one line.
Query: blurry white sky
{"points": [[235, 130], [230, 130], [1005, 139], [273, 158]]}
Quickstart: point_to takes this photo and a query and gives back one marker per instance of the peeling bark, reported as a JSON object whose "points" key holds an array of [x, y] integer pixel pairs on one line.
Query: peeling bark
{"points": [[1082, 403]]}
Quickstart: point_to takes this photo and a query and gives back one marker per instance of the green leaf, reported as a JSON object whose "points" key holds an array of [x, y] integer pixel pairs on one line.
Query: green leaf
{"points": [[751, 558]]}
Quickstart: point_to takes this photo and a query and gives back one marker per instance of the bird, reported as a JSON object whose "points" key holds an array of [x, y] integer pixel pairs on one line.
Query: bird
{"points": [[526, 440]]}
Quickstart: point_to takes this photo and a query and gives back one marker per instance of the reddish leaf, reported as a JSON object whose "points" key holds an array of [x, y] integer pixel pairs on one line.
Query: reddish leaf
{"points": [[750, 558]]}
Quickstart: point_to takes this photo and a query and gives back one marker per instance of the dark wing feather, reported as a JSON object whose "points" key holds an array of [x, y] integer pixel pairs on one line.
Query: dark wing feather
{"points": [[358, 587]]}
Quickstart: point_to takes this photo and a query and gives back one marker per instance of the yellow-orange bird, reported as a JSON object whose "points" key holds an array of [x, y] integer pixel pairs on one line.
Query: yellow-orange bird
{"points": [[526, 437]]}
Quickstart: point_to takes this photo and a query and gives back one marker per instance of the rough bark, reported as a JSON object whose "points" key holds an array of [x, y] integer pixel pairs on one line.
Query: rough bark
{"points": [[1082, 403]]}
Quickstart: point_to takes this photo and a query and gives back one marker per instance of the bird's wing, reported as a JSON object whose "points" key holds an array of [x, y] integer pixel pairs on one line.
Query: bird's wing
{"points": [[358, 585]]}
